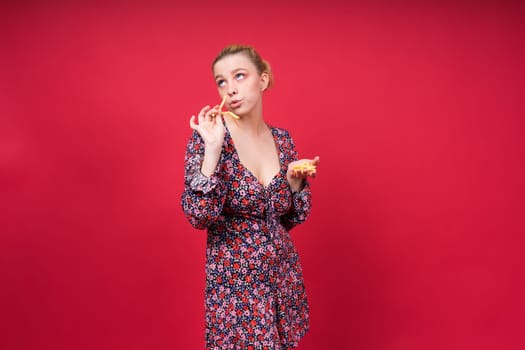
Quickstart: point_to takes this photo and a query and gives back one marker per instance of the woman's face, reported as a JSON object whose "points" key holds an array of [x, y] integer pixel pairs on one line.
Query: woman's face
{"points": [[236, 76]]}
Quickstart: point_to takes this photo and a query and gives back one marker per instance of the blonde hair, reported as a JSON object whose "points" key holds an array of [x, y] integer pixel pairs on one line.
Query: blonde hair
{"points": [[261, 65]]}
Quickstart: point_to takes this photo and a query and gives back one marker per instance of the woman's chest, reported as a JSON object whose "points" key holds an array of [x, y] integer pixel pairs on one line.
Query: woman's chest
{"points": [[258, 157]]}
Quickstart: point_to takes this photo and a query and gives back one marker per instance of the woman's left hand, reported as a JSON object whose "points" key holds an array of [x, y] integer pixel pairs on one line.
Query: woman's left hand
{"points": [[299, 170]]}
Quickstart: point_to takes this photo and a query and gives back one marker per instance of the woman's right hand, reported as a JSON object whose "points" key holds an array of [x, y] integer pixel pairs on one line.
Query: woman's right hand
{"points": [[210, 127]]}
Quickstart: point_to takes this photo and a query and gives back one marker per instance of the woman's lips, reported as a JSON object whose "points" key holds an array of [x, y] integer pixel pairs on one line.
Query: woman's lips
{"points": [[235, 104]]}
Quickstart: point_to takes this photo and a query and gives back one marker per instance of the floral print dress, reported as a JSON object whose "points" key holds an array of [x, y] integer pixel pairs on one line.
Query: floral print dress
{"points": [[255, 296]]}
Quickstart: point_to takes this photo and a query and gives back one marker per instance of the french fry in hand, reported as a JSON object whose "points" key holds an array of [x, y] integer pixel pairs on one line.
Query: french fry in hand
{"points": [[232, 114], [222, 103], [227, 112], [306, 166]]}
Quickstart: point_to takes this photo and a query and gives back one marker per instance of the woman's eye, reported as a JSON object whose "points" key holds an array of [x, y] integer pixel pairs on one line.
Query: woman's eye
{"points": [[220, 83], [239, 76]]}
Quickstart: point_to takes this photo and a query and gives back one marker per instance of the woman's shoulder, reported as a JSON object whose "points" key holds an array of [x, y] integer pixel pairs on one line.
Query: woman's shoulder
{"points": [[280, 132]]}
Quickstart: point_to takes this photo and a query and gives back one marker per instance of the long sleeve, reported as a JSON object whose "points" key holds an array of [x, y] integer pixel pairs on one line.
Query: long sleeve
{"points": [[203, 197], [302, 200]]}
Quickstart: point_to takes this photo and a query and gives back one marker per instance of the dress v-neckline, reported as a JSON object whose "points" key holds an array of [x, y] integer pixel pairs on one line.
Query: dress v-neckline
{"points": [[246, 169]]}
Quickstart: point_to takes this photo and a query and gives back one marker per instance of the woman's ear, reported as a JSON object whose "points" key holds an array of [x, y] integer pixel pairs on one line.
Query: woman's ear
{"points": [[265, 79]]}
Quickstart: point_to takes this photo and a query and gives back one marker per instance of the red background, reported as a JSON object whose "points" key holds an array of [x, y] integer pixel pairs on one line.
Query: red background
{"points": [[416, 109]]}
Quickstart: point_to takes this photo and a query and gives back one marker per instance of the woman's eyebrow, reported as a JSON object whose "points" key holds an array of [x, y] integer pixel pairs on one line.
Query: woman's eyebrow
{"points": [[231, 72], [238, 69]]}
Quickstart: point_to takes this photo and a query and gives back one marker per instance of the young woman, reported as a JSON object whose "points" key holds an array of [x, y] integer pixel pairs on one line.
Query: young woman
{"points": [[245, 185]]}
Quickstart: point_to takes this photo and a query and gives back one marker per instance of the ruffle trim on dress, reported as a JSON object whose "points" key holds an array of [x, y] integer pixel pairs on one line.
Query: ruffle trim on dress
{"points": [[199, 182], [302, 197]]}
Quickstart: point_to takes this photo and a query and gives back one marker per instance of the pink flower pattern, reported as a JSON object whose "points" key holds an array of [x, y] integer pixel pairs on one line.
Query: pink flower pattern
{"points": [[255, 295]]}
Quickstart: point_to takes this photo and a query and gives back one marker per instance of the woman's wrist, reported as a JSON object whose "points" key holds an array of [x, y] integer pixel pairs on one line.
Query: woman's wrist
{"points": [[297, 187], [210, 161]]}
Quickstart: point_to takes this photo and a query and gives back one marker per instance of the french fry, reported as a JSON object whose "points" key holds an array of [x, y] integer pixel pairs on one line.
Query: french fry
{"points": [[222, 103], [226, 112], [213, 115], [232, 114], [309, 167]]}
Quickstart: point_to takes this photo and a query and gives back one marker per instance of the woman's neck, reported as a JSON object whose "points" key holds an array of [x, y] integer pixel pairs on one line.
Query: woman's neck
{"points": [[252, 123]]}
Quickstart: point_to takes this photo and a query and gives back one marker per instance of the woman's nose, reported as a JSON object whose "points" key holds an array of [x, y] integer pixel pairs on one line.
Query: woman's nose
{"points": [[232, 90]]}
